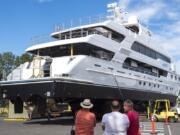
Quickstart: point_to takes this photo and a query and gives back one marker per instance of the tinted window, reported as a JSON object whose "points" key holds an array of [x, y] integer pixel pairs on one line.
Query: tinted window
{"points": [[118, 37], [149, 52]]}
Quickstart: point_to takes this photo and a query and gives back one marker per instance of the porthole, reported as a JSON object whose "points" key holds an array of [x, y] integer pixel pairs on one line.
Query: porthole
{"points": [[97, 65], [149, 84], [144, 83], [140, 82]]}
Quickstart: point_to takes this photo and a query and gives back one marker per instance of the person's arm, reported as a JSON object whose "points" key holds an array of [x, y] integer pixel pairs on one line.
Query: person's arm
{"points": [[130, 118], [127, 121], [103, 123], [103, 127], [94, 121], [76, 119]]}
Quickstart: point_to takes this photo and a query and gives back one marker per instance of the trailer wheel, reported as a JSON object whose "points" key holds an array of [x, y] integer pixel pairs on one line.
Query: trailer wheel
{"points": [[156, 119], [172, 119]]}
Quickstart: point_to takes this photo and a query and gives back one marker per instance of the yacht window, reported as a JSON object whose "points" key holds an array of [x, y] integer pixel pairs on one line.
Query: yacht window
{"points": [[153, 54], [142, 49], [175, 77], [143, 68], [78, 49], [117, 37], [133, 28], [148, 52], [149, 84], [171, 76], [138, 47]]}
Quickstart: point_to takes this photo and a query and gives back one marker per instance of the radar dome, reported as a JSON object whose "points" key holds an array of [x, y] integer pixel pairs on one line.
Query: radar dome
{"points": [[133, 20]]}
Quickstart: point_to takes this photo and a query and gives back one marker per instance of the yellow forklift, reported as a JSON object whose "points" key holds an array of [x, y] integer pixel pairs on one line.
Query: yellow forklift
{"points": [[162, 111]]}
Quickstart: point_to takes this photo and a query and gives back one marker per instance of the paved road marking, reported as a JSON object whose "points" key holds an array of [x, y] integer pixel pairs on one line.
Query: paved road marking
{"points": [[146, 128], [169, 129]]}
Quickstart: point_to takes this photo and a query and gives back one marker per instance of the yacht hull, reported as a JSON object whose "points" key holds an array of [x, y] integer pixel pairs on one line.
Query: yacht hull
{"points": [[73, 89]]}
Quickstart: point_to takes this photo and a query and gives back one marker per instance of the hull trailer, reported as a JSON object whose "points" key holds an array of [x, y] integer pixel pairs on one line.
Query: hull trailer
{"points": [[72, 92]]}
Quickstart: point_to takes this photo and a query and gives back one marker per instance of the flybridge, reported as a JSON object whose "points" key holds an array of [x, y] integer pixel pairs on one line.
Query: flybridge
{"points": [[79, 28]]}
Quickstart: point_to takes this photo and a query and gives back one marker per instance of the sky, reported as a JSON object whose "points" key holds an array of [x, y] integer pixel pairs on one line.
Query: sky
{"points": [[20, 20]]}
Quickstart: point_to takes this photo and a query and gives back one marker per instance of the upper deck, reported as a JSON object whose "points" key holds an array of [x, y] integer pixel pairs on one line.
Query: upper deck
{"points": [[112, 27]]}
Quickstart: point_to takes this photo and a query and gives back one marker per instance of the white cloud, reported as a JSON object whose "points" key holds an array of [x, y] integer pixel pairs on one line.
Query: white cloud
{"points": [[171, 44], [177, 63], [170, 38], [175, 27], [172, 15], [124, 3], [144, 9], [146, 14]]}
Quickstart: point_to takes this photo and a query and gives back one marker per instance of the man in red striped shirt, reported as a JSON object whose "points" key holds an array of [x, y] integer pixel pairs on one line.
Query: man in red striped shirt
{"points": [[85, 120]]}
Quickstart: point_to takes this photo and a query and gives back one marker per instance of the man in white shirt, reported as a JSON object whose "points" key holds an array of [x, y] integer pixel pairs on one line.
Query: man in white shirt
{"points": [[115, 123]]}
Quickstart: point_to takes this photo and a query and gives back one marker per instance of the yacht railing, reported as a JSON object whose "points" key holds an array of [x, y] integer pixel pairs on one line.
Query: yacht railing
{"points": [[80, 22], [63, 26], [66, 35], [42, 39]]}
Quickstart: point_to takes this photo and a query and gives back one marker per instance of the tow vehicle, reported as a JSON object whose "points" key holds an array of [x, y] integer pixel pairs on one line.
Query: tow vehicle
{"points": [[162, 111]]}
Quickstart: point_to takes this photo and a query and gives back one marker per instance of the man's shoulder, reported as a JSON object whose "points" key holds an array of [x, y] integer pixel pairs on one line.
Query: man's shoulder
{"points": [[91, 114], [122, 115], [133, 113], [106, 115]]}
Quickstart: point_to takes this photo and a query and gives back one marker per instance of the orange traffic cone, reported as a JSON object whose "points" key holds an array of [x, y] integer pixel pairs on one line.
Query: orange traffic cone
{"points": [[153, 126]]}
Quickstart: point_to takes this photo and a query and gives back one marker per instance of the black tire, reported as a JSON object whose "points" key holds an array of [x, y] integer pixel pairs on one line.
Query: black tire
{"points": [[172, 119], [156, 119]]}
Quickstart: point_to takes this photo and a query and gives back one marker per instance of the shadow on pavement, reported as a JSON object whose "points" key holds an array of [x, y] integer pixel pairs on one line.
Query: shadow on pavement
{"points": [[54, 121]]}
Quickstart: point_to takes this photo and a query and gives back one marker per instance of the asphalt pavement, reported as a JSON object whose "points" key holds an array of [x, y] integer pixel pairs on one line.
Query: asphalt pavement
{"points": [[62, 126]]}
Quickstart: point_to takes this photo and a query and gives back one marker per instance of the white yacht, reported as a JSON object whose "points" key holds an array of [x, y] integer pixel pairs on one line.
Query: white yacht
{"points": [[112, 58]]}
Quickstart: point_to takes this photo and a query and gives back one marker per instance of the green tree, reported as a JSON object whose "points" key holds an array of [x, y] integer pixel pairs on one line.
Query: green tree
{"points": [[18, 61], [1, 67], [25, 58], [22, 59], [7, 63]]}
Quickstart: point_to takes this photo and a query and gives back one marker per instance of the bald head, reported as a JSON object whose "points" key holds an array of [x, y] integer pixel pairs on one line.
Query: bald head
{"points": [[115, 105]]}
